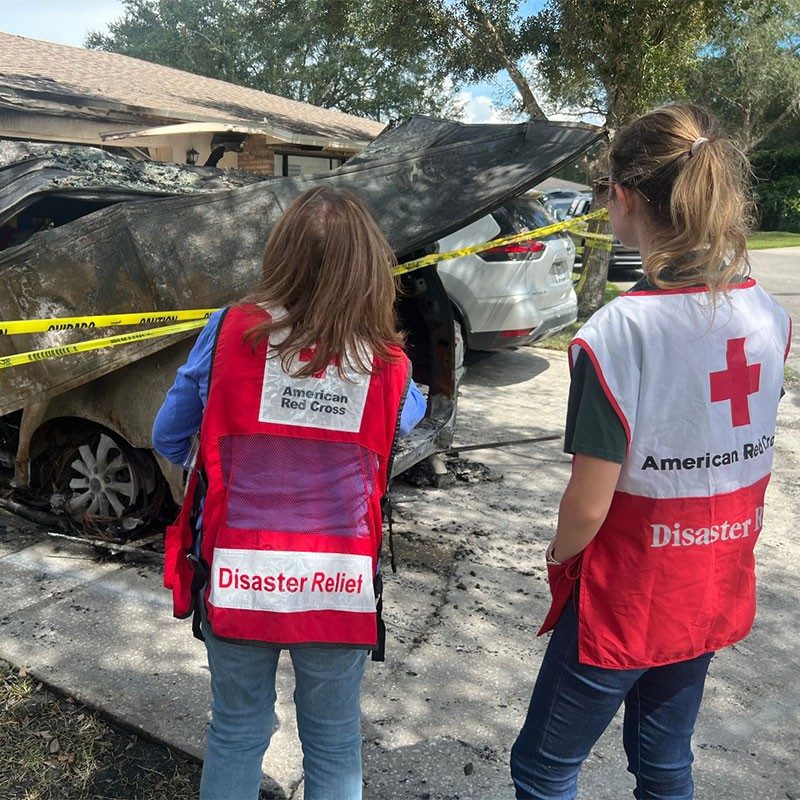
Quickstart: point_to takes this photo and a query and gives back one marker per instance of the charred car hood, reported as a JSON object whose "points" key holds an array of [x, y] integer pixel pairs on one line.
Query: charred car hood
{"points": [[422, 180], [30, 171]]}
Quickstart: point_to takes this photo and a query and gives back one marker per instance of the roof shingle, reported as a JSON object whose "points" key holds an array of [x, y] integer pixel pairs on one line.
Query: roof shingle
{"points": [[94, 79]]}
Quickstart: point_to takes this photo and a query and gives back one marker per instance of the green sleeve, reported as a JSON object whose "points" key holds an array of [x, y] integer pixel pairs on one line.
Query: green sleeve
{"points": [[593, 427]]}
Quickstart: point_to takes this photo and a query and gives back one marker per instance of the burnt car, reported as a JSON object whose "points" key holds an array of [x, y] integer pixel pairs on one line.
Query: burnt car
{"points": [[88, 232]]}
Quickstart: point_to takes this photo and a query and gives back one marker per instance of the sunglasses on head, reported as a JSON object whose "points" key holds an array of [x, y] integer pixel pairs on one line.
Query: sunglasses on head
{"points": [[602, 189]]}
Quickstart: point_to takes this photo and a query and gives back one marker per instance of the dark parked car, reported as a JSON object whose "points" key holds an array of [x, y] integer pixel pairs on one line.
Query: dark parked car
{"points": [[558, 202]]}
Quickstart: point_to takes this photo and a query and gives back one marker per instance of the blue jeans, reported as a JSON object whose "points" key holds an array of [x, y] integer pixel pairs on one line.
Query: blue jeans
{"points": [[572, 704], [328, 707]]}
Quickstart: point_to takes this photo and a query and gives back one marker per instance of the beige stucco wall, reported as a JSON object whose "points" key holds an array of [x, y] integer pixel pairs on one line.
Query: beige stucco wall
{"points": [[55, 128], [258, 153]]}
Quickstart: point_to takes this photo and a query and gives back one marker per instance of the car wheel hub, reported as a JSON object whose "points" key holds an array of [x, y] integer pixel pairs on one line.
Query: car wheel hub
{"points": [[107, 484]]}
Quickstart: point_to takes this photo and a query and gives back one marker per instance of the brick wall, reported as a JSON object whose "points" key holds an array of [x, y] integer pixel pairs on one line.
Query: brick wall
{"points": [[257, 155]]}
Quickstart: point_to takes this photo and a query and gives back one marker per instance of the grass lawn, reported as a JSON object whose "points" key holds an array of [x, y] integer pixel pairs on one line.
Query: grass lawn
{"points": [[561, 340], [761, 240], [791, 377], [52, 748]]}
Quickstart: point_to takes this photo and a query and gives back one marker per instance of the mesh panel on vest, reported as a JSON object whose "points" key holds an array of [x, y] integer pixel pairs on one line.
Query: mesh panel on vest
{"points": [[280, 483]]}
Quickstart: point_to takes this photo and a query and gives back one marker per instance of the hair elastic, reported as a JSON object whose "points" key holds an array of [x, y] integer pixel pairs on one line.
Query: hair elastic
{"points": [[696, 144]]}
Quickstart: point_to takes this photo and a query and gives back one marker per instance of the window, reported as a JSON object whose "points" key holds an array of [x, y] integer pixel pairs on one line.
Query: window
{"points": [[295, 166]]}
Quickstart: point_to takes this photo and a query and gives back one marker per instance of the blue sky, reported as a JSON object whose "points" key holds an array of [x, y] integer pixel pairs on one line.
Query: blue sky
{"points": [[68, 21], [63, 21]]}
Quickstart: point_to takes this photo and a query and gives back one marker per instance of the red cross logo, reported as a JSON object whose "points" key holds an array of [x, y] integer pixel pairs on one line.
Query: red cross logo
{"points": [[307, 353], [736, 383]]}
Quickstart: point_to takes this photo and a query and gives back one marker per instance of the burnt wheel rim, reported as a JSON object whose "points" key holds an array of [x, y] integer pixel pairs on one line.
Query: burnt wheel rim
{"points": [[106, 485]]}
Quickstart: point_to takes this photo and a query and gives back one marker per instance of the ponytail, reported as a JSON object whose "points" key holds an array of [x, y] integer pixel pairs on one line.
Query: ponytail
{"points": [[696, 182]]}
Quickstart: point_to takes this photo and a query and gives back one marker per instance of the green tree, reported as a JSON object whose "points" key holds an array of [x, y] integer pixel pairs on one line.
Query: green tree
{"points": [[322, 52], [749, 72], [610, 58], [614, 59], [472, 39], [785, 135]]}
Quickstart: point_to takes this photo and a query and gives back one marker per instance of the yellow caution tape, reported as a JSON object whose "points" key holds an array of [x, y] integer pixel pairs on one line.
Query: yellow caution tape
{"points": [[604, 238], [197, 318], [100, 321], [538, 233], [150, 317], [96, 344], [596, 241]]}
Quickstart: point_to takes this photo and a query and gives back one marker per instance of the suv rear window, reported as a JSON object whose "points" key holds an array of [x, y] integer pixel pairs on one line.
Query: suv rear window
{"points": [[521, 215]]}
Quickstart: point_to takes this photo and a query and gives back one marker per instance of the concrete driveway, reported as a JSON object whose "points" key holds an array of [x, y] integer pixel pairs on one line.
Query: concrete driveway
{"points": [[441, 714]]}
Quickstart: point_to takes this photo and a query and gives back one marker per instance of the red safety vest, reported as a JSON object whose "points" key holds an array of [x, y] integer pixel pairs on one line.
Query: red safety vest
{"points": [[296, 469], [670, 575]]}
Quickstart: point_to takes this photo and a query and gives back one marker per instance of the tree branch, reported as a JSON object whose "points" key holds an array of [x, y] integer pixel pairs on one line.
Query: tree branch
{"points": [[528, 100], [787, 112]]}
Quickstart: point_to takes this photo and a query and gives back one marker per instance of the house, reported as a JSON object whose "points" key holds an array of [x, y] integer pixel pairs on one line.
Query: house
{"points": [[58, 93]]}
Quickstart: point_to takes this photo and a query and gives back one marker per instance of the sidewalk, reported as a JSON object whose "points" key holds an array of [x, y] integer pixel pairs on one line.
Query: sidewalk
{"points": [[440, 715]]}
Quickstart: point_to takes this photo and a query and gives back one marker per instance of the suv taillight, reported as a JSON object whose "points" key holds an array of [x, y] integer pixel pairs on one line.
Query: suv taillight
{"points": [[512, 252]]}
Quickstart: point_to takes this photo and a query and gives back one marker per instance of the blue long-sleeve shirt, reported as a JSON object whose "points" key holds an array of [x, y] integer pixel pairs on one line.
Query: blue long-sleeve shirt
{"points": [[179, 418]]}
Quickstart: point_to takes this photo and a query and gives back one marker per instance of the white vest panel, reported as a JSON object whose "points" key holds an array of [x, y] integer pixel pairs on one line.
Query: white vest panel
{"points": [[695, 383]]}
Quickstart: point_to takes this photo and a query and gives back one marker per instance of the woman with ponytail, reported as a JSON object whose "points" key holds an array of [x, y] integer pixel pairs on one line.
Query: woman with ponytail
{"points": [[652, 569]]}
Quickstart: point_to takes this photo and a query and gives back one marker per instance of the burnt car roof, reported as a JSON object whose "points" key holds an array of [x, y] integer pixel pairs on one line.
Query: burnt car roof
{"points": [[422, 180], [32, 170]]}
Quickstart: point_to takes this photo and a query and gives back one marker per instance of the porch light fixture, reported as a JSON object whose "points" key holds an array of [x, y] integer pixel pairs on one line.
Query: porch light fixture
{"points": [[191, 156]]}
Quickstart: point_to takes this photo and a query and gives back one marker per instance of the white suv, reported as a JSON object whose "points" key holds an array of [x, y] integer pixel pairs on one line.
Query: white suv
{"points": [[513, 294]]}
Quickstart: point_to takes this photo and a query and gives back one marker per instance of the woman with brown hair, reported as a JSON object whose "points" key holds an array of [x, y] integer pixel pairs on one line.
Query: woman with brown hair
{"points": [[672, 412], [298, 393]]}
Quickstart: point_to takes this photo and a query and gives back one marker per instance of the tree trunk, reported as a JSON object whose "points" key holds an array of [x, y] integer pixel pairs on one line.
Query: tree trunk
{"points": [[592, 285], [533, 109]]}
